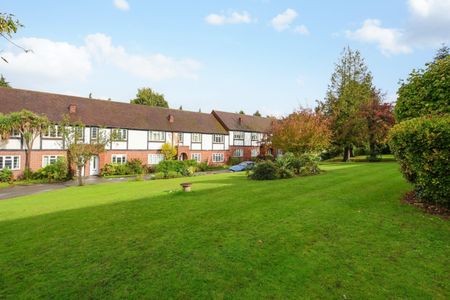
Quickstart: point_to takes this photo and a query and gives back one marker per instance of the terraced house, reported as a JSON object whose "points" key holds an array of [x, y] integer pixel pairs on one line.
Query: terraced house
{"points": [[140, 131]]}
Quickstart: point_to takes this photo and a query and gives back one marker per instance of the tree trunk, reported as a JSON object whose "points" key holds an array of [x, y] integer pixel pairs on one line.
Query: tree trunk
{"points": [[372, 151], [347, 153], [27, 163], [80, 175]]}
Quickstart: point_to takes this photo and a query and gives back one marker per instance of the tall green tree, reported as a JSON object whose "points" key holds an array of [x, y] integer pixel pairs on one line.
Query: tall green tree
{"points": [[425, 91], [29, 125], [241, 112], [350, 87], [442, 52], [146, 96], [3, 82], [257, 114]]}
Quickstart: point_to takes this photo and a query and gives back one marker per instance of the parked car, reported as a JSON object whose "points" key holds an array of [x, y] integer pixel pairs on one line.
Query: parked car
{"points": [[245, 165]]}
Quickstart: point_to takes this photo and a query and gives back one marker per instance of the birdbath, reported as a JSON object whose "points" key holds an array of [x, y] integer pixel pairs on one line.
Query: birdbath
{"points": [[186, 186]]}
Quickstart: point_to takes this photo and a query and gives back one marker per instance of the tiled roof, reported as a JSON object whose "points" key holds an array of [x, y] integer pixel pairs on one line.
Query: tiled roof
{"points": [[94, 112], [239, 122]]}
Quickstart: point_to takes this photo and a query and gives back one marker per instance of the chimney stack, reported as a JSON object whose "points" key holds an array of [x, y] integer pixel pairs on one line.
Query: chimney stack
{"points": [[171, 118], [72, 109], [240, 120]]}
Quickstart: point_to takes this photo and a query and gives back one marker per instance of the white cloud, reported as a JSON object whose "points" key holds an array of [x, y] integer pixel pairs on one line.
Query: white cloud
{"points": [[49, 60], [389, 40], [427, 26], [232, 18], [152, 67], [122, 4], [436, 9], [302, 30], [62, 62], [284, 20], [429, 22]]}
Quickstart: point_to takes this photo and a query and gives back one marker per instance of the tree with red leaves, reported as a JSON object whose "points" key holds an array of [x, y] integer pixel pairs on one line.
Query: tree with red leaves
{"points": [[303, 131], [379, 119]]}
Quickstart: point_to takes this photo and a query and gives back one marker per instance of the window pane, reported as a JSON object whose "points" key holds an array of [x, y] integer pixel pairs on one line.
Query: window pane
{"points": [[16, 164], [94, 133], [8, 162]]}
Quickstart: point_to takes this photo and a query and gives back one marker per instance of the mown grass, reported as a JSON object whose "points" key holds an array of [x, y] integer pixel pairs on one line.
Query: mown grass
{"points": [[341, 234]]}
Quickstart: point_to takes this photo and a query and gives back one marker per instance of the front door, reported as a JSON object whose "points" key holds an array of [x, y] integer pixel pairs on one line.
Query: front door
{"points": [[93, 166]]}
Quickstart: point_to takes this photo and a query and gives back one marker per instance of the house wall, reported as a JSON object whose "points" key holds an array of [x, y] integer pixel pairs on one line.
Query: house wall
{"points": [[137, 145]]}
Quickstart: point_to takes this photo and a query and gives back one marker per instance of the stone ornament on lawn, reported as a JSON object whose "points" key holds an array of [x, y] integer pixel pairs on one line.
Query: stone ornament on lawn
{"points": [[186, 186]]}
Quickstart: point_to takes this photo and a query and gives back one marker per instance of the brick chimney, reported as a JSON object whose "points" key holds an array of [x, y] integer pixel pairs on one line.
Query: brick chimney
{"points": [[240, 120], [72, 109], [171, 118]]}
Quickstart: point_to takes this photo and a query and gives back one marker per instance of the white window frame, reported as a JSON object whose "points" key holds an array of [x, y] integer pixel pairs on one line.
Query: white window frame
{"points": [[81, 129], [155, 158], [218, 139], [14, 133], [180, 138], [93, 136], [49, 159], [123, 159], [53, 132], [254, 152], [196, 140], [120, 135], [196, 156], [218, 157], [238, 152], [255, 136], [14, 159], [157, 136], [238, 135]]}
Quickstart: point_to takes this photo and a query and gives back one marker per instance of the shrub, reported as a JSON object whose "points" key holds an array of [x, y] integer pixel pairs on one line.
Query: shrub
{"points": [[6, 175], [115, 169], [135, 166], [265, 170], [183, 167], [202, 167], [234, 161], [421, 145], [310, 164], [289, 162], [284, 173], [57, 171], [132, 167], [169, 151]]}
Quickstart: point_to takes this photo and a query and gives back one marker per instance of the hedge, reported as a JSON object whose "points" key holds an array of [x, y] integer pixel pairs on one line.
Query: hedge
{"points": [[422, 147]]}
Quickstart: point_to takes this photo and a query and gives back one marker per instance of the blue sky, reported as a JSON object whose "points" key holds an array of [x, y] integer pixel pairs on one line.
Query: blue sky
{"points": [[265, 55]]}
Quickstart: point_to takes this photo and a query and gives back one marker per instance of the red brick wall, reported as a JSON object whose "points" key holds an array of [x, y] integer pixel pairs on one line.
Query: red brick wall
{"points": [[247, 151], [206, 155], [36, 159]]}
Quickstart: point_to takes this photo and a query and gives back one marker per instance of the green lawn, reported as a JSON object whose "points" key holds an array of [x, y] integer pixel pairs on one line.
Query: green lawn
{"points": [[342, 234]]}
